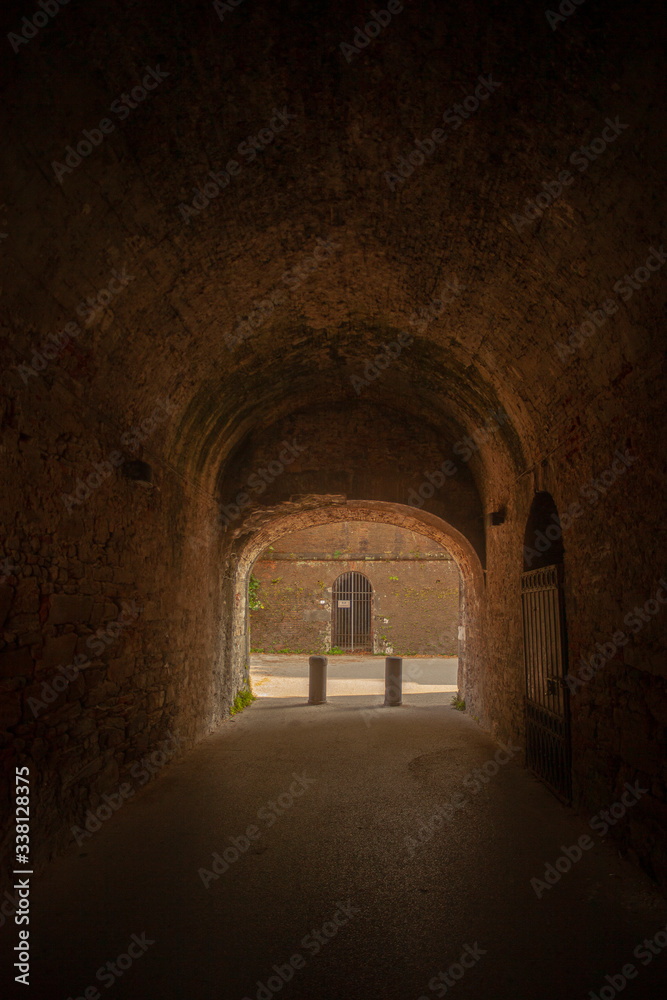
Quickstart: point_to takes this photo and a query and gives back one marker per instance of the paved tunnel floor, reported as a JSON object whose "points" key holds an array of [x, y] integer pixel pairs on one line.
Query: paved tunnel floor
{"points": [[334, 860]]}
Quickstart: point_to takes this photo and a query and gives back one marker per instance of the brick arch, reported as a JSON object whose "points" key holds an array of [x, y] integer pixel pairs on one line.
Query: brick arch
{"points": [[313, 511]]}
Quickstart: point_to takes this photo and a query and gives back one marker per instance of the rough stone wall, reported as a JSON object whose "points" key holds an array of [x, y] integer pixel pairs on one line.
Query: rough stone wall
{"points": [[100, 657], [337, 450], [611, 532], [348, 538], [617, 636]]}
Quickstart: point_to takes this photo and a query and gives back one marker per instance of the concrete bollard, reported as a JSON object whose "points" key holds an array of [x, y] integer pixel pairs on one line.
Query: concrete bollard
{"points": [[317, 689], [393, 680]]}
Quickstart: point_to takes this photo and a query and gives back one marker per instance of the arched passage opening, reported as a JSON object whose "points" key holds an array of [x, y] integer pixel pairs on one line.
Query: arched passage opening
{"points": [[356, 592], [325, 510], [543, 539]]}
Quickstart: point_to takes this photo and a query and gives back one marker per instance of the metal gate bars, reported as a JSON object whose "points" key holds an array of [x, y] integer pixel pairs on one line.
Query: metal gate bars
{"points": [[352, 595], [547, 704]]}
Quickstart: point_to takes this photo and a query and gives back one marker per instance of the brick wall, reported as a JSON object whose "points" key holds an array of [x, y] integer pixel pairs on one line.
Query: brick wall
{"points": [[415, 600]]}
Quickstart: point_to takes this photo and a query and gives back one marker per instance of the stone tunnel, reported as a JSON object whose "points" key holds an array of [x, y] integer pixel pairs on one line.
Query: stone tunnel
{"points": [[267, 267]]}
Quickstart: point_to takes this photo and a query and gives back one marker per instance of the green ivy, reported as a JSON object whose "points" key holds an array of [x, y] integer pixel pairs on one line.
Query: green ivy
{"points": [[253, 600], [244, 698]]}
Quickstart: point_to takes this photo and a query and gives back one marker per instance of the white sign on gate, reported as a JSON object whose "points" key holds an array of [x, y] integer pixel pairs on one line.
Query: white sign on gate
{"points": [[343, 604]]}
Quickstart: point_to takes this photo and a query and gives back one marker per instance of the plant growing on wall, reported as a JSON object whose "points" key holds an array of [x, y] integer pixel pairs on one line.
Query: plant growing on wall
{"points": [[244, 698], [254, 602]]}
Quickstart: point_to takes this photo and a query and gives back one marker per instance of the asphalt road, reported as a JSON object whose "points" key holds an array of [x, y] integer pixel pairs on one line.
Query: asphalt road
{"points": [[283, 676]]}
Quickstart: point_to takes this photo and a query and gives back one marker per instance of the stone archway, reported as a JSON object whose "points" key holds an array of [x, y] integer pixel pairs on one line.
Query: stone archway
{"points": [[312, 511]]}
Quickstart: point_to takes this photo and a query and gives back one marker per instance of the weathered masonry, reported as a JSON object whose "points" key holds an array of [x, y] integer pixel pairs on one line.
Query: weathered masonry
{"points": [[410, 606], [470, 350]]}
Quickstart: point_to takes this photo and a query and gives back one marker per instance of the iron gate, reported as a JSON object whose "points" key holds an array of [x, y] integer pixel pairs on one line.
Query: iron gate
{"points": [[352, 613], [547, 701]]}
